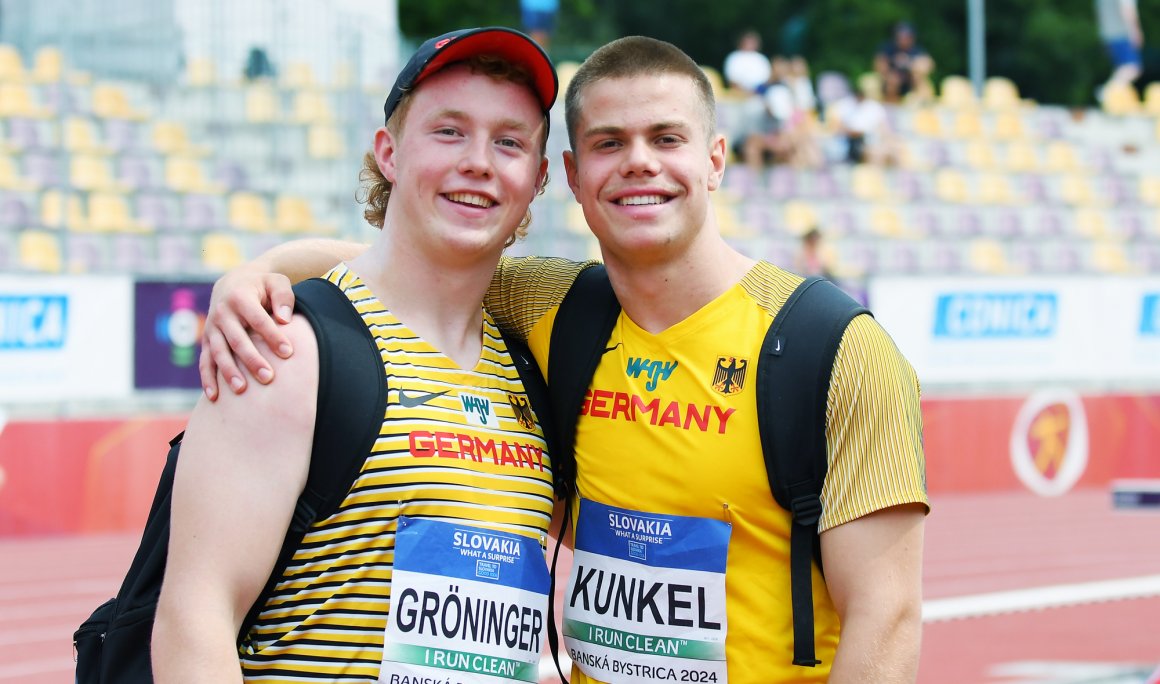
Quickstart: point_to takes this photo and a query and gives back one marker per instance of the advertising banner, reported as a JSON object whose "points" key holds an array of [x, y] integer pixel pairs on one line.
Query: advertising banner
{"points": [[1010, 330], [167, 324], [65, 338]]}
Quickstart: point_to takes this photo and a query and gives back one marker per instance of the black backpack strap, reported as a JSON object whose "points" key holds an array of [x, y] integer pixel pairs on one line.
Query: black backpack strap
{"points": [[582, 326], [793, 382], [352, 399]]}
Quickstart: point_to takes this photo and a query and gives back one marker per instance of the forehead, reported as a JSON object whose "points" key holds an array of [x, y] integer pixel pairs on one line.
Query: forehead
{"points": [[457, 88], [642, 100]]}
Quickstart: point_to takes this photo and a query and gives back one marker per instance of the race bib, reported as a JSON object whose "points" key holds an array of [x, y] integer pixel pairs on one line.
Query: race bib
{"points": [[468, 606], [646, 598]]}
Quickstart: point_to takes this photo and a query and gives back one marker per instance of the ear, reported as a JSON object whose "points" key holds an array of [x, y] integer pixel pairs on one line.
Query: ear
{"points": [[385, 147], [716, 162], [572, 173], [542, 176]]}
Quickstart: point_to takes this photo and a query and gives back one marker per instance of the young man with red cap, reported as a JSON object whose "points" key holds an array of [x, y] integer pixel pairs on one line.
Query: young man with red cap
{"points": [[449, 180]]}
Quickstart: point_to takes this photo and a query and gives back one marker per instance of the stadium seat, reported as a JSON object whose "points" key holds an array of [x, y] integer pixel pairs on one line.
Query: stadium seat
{"points": [[297, 75], [18, 99], [1078, 191], [1109, 256], [156, 212], [799, 216], [1152, 99], [58, 210], [886, 221], [79, 136], [201, 72], [122, 136], [951, 186], [1000, 94], [109, 212], [1149, 190], [48, 65], [85, 253], [248, 211], [202, 212], [926, 122], [1092, 224], [1008, 125], [220, 252], [782, 183], [109, 101], [565, 70], [137, 173], [1120, 99], [134, 254], [981, 154], [324, 142], [10, 177], [986, 256], [171, 138], [177, 253], [957, 93], [40, 251], [311, 107], [11, 64], [262, 104], [90, 173], [996, 189], [868, 183], [294, 215], [1021, 157], [832, 87], [968, 124], [1061, 157], [183, 174], [44, 170]]}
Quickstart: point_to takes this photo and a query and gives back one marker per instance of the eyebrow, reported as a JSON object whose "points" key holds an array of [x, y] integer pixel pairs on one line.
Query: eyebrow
{"points": [[459, 114], [617, 130]]}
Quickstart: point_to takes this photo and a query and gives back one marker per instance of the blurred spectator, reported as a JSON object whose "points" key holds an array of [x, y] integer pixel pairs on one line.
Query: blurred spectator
{"points": [[1119, 26], [801, 85], [258, 65], [902, 64], [813, 258], [539, 19], [786, 135], [746, 68], [861, 130]]}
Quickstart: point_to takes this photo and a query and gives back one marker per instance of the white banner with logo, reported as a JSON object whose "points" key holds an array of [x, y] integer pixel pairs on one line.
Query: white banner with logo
{"points": [[970, 330], [64, 338]]}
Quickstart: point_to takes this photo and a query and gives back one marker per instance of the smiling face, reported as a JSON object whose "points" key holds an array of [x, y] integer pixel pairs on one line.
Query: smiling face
{"points": [[644, 162], [464, 165]]}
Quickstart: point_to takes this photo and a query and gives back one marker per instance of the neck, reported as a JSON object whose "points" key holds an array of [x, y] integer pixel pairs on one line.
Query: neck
{"points": [[440, 301], [658, 295]]}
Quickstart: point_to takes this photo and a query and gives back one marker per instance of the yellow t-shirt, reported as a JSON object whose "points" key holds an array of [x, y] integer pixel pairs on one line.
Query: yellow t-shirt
{"points": [[662, 431], [452, 447]]}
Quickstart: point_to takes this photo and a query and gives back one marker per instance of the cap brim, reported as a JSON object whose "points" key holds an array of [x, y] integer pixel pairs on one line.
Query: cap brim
{"points": [[510, 45]]}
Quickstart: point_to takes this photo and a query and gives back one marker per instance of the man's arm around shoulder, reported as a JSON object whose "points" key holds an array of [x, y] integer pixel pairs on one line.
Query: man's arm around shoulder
{"points": [[243, 464]]}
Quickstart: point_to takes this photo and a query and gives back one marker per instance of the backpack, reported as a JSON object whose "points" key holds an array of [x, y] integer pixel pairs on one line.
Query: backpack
{"points": [[113, 644], [793, 380]]}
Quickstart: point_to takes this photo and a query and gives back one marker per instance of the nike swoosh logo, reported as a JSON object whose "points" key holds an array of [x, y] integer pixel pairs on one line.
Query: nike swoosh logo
{"points": [[413, 400]]}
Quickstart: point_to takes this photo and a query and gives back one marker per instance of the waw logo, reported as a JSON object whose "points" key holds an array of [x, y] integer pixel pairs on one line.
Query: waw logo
{"points": [[477, 410], [655, 370]]}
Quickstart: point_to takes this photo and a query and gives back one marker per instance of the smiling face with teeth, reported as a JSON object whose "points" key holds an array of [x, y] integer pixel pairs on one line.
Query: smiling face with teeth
{"points": [[643, 166], [464, 165]]}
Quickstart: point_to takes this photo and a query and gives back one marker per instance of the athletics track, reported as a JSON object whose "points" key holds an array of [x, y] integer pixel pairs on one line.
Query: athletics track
{"points": [[1019, 589]]}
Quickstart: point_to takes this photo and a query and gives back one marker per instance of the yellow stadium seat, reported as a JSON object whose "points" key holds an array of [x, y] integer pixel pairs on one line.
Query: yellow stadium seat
{"points": [[311, 106], [1000, 93], [80, 137], [1022, 157], [60, 211], [987, 256], [950, 186], [995, 188], [248, 211], [1009, 126], [345, 75], [565, 71], [957, 93], [220, 252], [800, 216], [184, 174], [887, 222], [170, 137], [1109, 256], [324, 142], [870, 85], [927, 122], [1078, 191], [40, 251], [201, 72], [1061, 157], [90, 173], [1152, 98], [11, 64], [868, 183], [10, 178], [297, 75], [110, 212], [262, 104], [293, 215], [111, 102], [980, 154], [1150, 189], [1120, 99], [968, 124], [18, 100], [48, 66]]}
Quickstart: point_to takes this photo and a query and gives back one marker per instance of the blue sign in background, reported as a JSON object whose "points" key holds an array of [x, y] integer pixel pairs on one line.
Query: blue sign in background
{"points": [[1150, 315], [33, 321], [972, 315], [167, 324], [691, 546]]}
